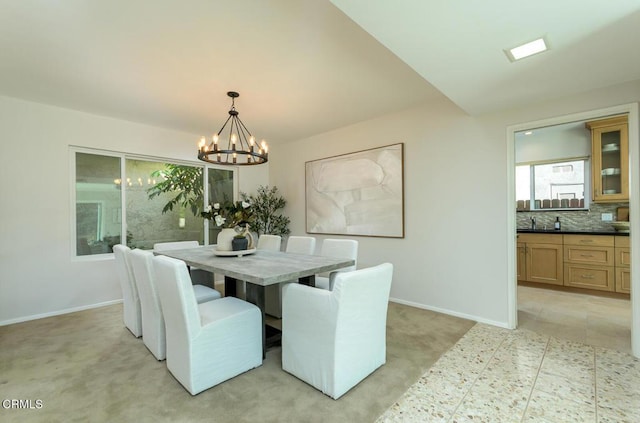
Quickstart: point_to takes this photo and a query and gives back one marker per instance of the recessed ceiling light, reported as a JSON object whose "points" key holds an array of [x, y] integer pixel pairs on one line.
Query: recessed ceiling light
{"points": [[526, 50], [528, 133]]}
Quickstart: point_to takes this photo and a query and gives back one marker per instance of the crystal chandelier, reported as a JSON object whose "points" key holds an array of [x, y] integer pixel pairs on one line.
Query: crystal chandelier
{"points": [[239, 148]]}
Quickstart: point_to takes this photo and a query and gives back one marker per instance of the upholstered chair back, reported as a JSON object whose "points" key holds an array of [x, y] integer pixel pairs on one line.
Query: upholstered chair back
{"points": [[176, 245], [344, 248], [269, 242], [301, 245], [334, 339], [130, 301], [179, 305], [152, 318]]}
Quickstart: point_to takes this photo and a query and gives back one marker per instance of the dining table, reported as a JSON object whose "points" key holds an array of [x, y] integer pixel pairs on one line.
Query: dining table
{"points": [[259, 269]]}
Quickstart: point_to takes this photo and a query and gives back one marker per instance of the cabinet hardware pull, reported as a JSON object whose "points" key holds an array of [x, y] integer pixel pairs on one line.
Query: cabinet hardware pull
{"points": [[587, 276], [586, 240], [586, 255]]}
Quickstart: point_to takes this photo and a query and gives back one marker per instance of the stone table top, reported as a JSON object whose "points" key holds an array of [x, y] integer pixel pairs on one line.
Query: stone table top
{"points": [[261, 268]]}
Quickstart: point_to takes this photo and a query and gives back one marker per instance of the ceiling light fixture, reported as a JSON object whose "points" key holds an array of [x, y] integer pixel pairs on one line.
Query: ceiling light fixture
{"points": [[526, 50], [241, 148]]}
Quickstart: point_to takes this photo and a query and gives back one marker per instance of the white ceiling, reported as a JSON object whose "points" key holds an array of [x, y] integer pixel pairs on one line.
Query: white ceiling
{"points": [[458, 45], [303, 67]]}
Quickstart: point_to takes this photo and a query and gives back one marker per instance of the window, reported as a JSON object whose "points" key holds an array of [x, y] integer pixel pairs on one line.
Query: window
{"points": [[147, 219], [557, 185], [104, 182], [98, 203]]}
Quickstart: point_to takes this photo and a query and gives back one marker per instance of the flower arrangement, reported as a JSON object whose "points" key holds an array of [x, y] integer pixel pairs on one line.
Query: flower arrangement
{"points": [[229, 214]]}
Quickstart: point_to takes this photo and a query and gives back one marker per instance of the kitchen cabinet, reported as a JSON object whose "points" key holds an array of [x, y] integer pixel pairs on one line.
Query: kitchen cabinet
{"points": [[521, 260], [598, 262], [623, 264], [610, 159], [589, 261], [542, 258]]}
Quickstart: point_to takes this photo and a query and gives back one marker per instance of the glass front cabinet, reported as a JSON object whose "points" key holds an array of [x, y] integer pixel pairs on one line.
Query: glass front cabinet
{"points": [[610, 159]]}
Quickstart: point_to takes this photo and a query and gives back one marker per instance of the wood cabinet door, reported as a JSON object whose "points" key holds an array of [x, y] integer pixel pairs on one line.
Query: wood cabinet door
{"points": [[544, 263], [521, 261], [623, 257], [610, 157], [623, 280]]}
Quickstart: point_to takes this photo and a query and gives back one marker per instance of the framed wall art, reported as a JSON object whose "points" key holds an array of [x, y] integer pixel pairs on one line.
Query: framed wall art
{"points": [[359, 193]]}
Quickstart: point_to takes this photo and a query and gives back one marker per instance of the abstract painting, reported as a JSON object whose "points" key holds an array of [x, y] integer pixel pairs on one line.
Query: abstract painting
{"points": [[359, 193]]}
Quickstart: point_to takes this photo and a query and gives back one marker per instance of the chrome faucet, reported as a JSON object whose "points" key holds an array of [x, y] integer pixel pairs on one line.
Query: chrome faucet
{"points": [[533, 223]]}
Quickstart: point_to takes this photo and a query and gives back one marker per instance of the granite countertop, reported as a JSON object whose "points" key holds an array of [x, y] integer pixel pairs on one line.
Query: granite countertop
{"points": [[571, 232]]}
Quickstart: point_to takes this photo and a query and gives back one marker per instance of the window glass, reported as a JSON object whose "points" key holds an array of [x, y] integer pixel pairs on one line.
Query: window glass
{"points": [[558, 185], [157, 210], [98, 203], [220, 187]]}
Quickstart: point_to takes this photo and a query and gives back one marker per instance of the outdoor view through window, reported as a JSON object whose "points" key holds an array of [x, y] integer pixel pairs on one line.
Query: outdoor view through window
{"points": [[551, 185]]}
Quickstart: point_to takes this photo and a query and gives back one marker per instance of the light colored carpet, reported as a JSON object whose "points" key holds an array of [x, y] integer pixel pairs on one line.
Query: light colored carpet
{"points": [[86, 366]]}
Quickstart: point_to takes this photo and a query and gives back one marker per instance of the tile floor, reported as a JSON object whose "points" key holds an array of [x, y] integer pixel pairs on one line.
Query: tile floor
{"points": [[499, 375], [592, 320]]}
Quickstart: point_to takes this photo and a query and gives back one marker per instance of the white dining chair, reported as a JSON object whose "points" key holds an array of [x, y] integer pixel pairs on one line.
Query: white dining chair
{"points": [[301, 245], [332, 340], [273, 293], [198, 276], [269, 242], [207, 343], [153, 329], [132, 313], [342, 248]]}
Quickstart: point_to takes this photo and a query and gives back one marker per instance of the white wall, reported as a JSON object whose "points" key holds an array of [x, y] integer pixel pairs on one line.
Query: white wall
{"points": [[451, 257], [556, 142], [455, 256], [38, 276]]}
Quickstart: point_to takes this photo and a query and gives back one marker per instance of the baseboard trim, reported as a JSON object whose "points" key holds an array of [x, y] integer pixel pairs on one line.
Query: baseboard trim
{"points": [[57, 313], [504, 325]]}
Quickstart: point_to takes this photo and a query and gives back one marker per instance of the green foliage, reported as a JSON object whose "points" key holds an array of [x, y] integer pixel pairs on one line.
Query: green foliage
{"points": [[183, 181], [229, 214], [266, 204]]}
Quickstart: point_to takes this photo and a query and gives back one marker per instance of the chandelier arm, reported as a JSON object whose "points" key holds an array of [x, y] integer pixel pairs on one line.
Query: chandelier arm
{"points": [[225, 124], [242, 134], [245, 128]]}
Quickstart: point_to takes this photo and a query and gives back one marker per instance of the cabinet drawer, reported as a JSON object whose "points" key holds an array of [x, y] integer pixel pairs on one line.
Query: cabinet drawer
{"points": [[540, 238], [589, 255], [623, 280], [590, 240], [623, 257], [592, 277]]}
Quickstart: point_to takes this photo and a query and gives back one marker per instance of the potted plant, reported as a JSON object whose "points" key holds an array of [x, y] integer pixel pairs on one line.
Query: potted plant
{"points": [[234, 218], [265, 205]]}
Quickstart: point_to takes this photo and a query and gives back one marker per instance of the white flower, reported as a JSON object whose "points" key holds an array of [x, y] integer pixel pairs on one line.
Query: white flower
{"points": [[219, 220], [207, 209], [246, 204], [216, 206]]}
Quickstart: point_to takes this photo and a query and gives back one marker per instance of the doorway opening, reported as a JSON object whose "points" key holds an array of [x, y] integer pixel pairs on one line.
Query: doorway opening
{"points": [[517, 219]]}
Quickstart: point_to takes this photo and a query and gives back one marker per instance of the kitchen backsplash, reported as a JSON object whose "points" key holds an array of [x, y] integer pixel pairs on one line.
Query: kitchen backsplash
{"points": [[571, 220]]}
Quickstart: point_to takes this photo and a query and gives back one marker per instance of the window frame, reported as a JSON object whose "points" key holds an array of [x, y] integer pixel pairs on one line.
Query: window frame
{"points": [[123, 156]]}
